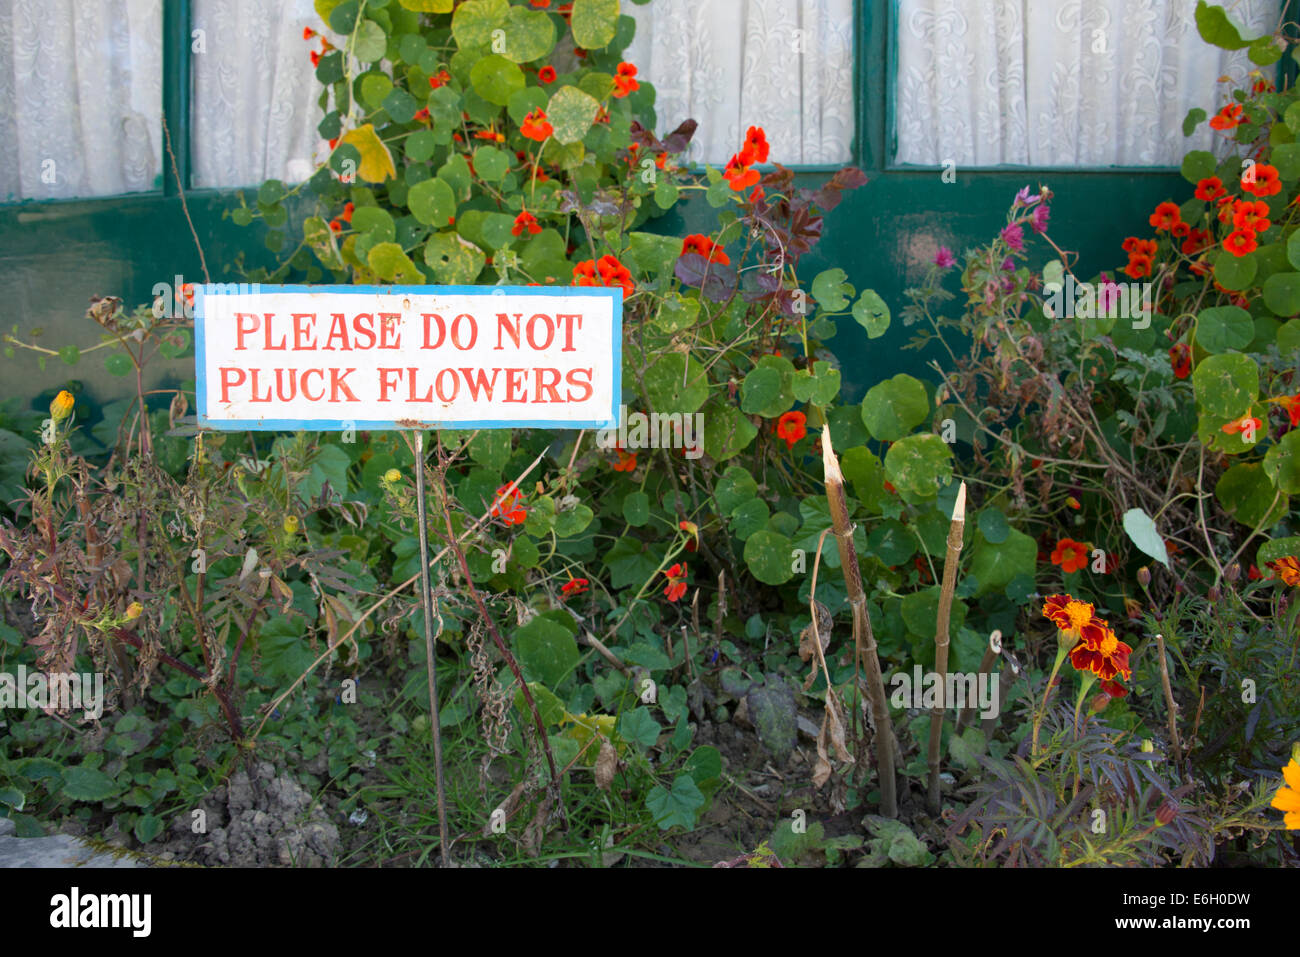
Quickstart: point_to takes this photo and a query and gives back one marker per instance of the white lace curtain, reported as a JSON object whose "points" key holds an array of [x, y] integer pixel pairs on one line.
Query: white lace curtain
{"points": [[80, 97], [784, 65], [1060, 83]]}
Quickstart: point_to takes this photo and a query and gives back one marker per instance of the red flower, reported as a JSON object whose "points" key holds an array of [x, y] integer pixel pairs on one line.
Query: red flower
{"points": [[1196, 240], [706, 247], [492, 135], [1070, 555], [336, 226], [308, 33], [1287, 569], [1261, 179], [507, 506], [1240, 242], [540, 4], [1247, 426], [738, 173], [346, 215], [676, 586], [756, 146], [422, 115], [607, 271], [574, 586], [1227, 118], [1251, 214], [1166, 216], [792, 427], [547, 73], [1138, 266], [1114, 690], [626, 461], [314, 57], [1105, 656], [625, 81], [536, 127], [1292, 405], [1254, 574], [334, 142], [1180, 358], [442, 78], [525, 220], [1210, 188]]}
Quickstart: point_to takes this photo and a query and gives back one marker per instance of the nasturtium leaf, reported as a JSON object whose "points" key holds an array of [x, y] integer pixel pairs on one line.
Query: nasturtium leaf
{"points": [[529, 35], [1288, 338], [676, 312], [370, 42], [892, 542], [390, 263], [1216, 28], [630, 562], [496, 79], [373, 88], [1286, 160], [831, 290], [420, 145], [993, 525], [1224, 328], [118, 365], [1195, 116], [726, 431], [376, 163], [734, 487], [872, 313], [1234, 272], [431, 202], [894, 407], [1277, 548], [748, 518], [863, 469], [400, 106], [1198, 164], [819, 386], [1282, 463], [919, 464], [454, 261], [1247, 494], [342, 16], [491, 163], [994, 565], [1282, 293], [636, 508], [768, 555], [920, 611], [1142, 532], [1264, 51], [473, 22], [571, 113], [546, 651], [676, 383], [573, 521], [594, 22], [549, 707], [1226, 385]]}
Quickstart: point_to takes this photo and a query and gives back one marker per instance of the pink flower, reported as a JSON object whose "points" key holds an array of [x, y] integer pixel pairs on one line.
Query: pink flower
{"points": [[1041, 215], [1014, 236], [944, 258]]}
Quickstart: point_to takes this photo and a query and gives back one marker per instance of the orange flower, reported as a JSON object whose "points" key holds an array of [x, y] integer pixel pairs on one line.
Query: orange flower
{"points": [[676, 586], [308, 33], [693, 530], [756, 146], [1072, 616], [574, 586], [1287, 798], [1292, 405], [1210, 188], [792, 427], [1227, 118], [1251, 214], [626, 461], [1240, 242], [314, 57], [507, 506], [738, 173], [625, 81], [1070, 555], [1261, 179], [1138, 266], [706, 247], [1197, 239], [1102, 653], [1180, 358], [346, 215], [1247, 425], [525, 220], [1287, 569], [536, 127], [546, 74], [610, 271], [1166, 216], [442, 78]]}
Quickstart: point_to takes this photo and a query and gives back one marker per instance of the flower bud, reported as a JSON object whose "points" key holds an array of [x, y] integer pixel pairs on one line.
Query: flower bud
{"points": [[392, 475], [61, 406], [134, 610], [290, 524], [1098, 703], [1144, 576], [1147, 746], [1214, 594], [1232, 572], [1168, 811]]}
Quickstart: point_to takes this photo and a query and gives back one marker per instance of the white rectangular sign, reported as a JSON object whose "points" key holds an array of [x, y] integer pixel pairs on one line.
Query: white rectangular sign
{"points": [[390, 357]]}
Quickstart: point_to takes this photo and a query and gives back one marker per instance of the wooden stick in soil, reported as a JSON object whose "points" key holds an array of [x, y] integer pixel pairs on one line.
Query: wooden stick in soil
{"points": [[1169, 703], [431, 655], [864, 640], [950, 562], [986, 667]]}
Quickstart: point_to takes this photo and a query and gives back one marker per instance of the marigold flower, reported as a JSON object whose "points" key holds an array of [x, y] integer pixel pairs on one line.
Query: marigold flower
{"points": [[676, 586], [574, 586], [1070, 555], [536, 127], [625, 81], [1180, 358], [1165, 216], [1227, 118], [1104, 655], [1261, 179], [1287, 569], [706, 247], [525, 221], [1287, 798], [792, 426], [61, 406]]}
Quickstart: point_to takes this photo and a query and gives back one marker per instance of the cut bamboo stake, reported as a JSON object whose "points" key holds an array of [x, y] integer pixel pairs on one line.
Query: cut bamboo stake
{"points": [[950, 563], [864, 640], [986, 667]]}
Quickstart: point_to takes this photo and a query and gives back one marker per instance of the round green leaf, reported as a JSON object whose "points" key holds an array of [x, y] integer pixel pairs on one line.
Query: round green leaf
{"points": [[734, 487], [496, 79], [454, 261], [490, 163], [431, 202], [529, 35], [1198, 164], [1282, 463], [1282, 293], [831, 290], [919, 464], [374, 87], [894, 407], [594, 22], [371, 42], [1224, 328], [768, 555], [571, 113], [1247, 494], [675, 383], [636, 508], [118, 365], [473, 22], [1226, 384], [726, 431], [420, 145], [1234, 272], [546, 651], [995, 564], [871, 313], [993, 526], [891, 542]]}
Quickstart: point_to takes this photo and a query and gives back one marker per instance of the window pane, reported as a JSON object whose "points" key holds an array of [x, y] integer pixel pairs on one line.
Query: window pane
{"points": [[80, 98], [254, 109], [1072, 83], [784, 65]]}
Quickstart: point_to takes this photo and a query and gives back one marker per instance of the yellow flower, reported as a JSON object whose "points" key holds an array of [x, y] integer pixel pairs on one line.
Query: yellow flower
{"points": [[134, 610], [61, 407], [1287, 798], [290, 524], [392, 475]]}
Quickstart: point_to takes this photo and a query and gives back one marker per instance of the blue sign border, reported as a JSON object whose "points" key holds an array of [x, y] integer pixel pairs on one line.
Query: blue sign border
{"points": [[614, 294]]}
